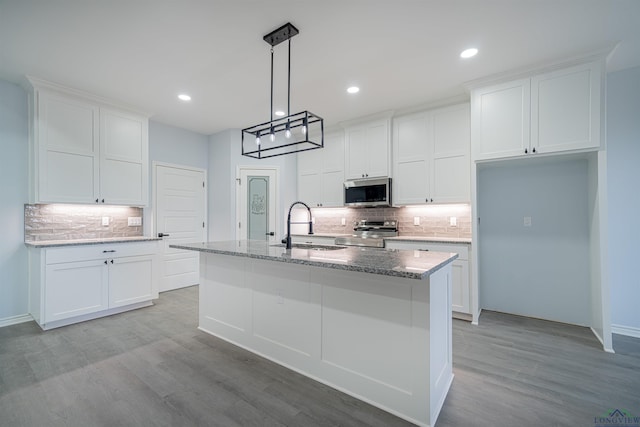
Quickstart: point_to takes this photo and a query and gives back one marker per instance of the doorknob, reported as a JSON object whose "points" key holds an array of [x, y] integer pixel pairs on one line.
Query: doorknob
{"points": [[270, 233], [162, 235]]}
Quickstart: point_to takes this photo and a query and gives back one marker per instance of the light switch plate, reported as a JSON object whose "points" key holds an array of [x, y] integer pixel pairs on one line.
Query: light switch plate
{"points": [[416, 220], [527, 221], [344, 221], [453, 221], [105, 221]]}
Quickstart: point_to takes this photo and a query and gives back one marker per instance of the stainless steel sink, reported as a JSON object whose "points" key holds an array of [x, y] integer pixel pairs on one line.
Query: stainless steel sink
{"points": [[311, 246]]}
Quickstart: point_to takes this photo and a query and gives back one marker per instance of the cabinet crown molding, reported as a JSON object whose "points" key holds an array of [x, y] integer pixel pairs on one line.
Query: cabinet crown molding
{"points": [[35, 83], [384, 115], [601, 55]]}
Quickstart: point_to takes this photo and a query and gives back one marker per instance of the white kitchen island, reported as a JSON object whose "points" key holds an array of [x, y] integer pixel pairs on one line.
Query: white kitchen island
{"points": [[373, 323]]}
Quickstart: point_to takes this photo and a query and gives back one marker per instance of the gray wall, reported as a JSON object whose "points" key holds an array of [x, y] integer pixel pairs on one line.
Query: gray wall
{"points": [[224, 160], [543, 270], [623, 166], [14, 179]]}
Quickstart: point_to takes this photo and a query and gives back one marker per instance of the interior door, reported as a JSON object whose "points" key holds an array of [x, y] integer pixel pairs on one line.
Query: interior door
{"points": [[257, 204], [180, 218]]}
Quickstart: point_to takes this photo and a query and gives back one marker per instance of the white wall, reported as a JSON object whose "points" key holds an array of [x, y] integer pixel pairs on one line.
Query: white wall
{"points": [[623, 166], [543, 270], [14, 180], [224, 159]]}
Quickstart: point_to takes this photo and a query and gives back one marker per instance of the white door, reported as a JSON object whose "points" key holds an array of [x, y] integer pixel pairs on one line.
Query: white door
{"points": [[180, 212], [257, 204]]}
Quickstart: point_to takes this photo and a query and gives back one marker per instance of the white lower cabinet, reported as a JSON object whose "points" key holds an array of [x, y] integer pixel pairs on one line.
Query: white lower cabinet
{"points": [[74, 284], [461, 281]]}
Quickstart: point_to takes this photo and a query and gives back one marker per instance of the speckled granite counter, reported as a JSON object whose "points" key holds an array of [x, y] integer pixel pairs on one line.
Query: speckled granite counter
{"points": [[399, 263], [81, 242]]}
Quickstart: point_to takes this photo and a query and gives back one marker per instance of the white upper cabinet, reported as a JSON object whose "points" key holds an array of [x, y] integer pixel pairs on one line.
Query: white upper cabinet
{"points": [[123, 158], [549, 112], [67, 155], [431, 152], [367, 150], [321, 173], [85, 151], [501, 119], [565, 109]]}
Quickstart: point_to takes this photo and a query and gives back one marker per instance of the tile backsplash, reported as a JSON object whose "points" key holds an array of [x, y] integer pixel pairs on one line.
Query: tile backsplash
{"points": [[434, 220], [71, 222]]}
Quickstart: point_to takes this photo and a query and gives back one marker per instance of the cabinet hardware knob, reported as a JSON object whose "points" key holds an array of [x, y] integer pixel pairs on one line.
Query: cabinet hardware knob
{"points": [[431, 200], [105, 261], [110, 251], [526, 151], [270, 233], [111, 261], [534, 149], [162, 235], [97, 200], [102, 200]]}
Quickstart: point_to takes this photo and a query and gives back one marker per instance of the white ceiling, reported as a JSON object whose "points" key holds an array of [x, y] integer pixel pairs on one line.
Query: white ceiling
{"points": [[401, 53]]}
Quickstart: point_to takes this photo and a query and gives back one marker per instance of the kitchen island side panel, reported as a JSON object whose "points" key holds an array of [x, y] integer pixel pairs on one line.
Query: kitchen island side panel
{"points": [[372, 336]]}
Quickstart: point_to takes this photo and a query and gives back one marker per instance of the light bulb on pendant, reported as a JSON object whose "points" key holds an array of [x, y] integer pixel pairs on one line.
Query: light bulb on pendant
{"points": [[272, 136], [304, 126], [257, 138], [287, 132]]}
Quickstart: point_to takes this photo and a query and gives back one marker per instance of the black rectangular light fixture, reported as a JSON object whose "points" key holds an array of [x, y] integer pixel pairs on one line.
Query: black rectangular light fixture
{"points": [[293, 133]]}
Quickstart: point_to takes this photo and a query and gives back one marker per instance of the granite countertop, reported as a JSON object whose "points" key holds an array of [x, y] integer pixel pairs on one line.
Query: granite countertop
{"points": [[389, 262], [81, 242]]}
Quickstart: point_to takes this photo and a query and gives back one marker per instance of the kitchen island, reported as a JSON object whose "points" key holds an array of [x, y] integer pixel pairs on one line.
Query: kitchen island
{"points": [[373, 323]]}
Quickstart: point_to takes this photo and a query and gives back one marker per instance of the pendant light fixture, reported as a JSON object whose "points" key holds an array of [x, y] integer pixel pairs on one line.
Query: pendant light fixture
{"points": [[292, 133]]}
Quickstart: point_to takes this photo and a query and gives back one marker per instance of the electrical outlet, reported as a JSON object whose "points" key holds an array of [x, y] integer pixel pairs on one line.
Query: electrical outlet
{"points": [[344, 221], [453, 221], [105, 221], [134, 221], [416, 220]]}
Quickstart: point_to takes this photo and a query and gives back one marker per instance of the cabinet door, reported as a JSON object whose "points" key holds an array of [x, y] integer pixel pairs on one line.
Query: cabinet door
{"points": [[130, 280], [355, 152], [377, 149], [75, 288], [411, 136], [565, 109], [309, 188], [67, 150], [332, 171], [450, 165], [460, 301], [500, 120], [124, 158]]}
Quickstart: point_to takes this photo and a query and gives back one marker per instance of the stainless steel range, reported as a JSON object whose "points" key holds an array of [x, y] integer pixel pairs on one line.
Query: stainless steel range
{"points": [[370, 233]]}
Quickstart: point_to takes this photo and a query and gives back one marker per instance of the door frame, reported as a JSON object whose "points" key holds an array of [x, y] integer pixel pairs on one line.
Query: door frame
{"points": [[154, 188], [276, 196]]}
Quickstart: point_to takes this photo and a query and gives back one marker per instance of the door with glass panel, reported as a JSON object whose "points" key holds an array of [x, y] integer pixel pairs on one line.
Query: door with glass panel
{"points": [[257, 210]]}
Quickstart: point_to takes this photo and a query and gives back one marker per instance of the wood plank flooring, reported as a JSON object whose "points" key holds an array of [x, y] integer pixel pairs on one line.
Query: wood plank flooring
{"points": [[152, 367]]}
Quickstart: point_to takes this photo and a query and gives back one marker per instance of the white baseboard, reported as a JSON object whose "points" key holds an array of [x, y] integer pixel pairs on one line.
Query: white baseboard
{"points": [[626, 330], [7, 321]]}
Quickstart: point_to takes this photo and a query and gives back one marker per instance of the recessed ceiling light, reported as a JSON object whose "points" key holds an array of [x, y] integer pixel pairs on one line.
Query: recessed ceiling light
{"points": [[353, 89], [468, 53], [184, 97], [279, 113]]}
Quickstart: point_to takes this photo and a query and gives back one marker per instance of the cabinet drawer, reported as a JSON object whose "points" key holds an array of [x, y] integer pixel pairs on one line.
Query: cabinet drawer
{"points": [[100, 251], [461, 249]]}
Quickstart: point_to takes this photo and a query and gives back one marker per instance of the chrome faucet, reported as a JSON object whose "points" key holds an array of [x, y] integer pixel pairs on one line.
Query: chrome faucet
{"points": [[310, 222]]}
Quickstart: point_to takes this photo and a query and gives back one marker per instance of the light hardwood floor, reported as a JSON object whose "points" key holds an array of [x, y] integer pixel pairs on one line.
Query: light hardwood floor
{"points": [[152, 367]]}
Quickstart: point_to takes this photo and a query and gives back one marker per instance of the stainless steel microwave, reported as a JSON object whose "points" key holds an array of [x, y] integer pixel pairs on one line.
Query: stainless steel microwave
{"points": [[368, 192]]}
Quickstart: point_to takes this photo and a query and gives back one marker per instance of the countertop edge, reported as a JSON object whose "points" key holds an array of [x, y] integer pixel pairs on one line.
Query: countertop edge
{"points": [[43, 244]]}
